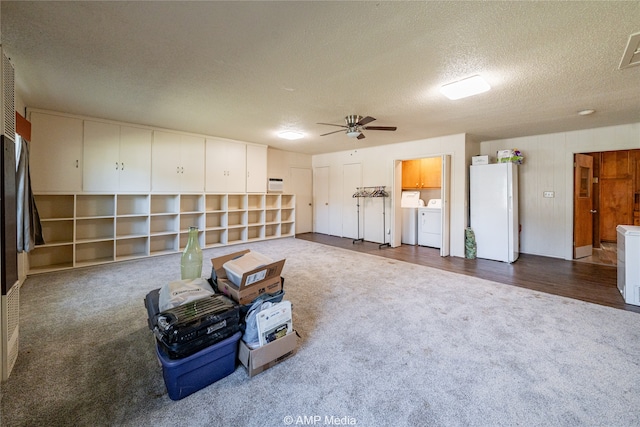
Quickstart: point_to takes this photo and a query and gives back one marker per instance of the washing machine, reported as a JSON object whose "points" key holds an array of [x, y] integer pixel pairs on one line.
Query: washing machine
{"points": [[410, 202], [430, 224]]}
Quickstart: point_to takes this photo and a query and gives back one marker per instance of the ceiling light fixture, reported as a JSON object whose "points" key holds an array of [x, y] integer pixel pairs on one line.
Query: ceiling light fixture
{"points": [[291, 135], [586, 112], [466, 87], [353, 133]]}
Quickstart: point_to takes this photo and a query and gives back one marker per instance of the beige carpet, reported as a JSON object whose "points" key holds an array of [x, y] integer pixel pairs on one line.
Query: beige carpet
{"points": [[383, 343]]}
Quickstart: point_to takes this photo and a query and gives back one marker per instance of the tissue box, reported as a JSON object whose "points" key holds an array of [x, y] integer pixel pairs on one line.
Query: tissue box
{"points": [[480, 160], [510, 156]]}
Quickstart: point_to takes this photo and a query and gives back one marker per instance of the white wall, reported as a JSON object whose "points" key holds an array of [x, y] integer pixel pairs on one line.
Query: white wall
{"points": [[280, 162], [378, 165], [547, 223]]}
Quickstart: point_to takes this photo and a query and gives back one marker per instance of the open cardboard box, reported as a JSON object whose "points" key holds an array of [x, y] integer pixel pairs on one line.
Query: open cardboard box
{"points": [[261, 280], [267, 356]]}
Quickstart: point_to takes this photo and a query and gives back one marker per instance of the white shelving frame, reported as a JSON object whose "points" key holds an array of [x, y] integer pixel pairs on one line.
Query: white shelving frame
{"points": [[82, 229]]}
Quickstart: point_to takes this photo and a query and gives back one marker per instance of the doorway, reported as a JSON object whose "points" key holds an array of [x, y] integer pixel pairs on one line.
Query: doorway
{"points": [[409, 175], [615, 190]]}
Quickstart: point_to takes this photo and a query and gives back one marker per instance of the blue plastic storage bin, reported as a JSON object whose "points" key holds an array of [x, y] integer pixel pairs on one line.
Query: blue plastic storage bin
{"points": [[186, 376]]}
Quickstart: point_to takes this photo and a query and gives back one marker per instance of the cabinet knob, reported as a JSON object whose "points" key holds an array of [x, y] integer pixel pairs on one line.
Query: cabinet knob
{"points": [[116, 165]]}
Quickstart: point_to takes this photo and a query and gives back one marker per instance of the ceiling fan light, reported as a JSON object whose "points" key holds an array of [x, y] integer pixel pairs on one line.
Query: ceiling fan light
{"points": [[290, 134], [353, 133], [465, 87]]}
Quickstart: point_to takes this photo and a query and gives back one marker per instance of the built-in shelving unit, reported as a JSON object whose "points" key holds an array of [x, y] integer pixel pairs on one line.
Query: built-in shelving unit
{"points": [[83, 229]]}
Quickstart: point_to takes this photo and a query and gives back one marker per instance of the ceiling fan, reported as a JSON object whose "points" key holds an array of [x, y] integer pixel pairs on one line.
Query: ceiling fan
{"points": [[355, 125]]}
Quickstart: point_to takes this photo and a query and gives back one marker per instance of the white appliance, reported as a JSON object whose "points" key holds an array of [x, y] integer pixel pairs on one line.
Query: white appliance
{"points": [[430, 224], [410, 202], [628, 265], [493, 203]]}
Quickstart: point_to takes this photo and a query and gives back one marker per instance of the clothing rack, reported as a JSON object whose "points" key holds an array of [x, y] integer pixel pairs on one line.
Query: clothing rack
{"points": [[377, 191]]}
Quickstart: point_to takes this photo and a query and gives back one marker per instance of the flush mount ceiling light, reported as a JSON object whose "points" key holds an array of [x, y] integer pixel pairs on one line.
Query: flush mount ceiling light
{"points": [[463, 88], [291, 135], [586, 112]]}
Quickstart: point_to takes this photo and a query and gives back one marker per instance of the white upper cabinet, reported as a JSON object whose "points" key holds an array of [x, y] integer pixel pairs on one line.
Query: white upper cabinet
{"points": [[256, 168], [116, 158], [56, 153], [177, 162], [226, 166]]}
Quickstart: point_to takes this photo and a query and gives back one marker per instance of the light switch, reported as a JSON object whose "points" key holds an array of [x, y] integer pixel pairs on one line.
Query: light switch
{"points": [[549, 194]]}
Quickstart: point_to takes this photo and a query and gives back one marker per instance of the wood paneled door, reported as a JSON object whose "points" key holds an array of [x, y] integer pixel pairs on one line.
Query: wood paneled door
{"points": [[615, 189], [583, 206]]}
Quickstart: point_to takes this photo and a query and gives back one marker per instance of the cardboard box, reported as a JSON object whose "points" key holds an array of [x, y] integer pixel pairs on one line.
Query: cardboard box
{"points": [[261, 280], [267, 356], [480, 160]]}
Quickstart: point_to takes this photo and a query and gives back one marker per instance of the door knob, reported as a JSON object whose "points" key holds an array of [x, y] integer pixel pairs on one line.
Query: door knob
{"points": [[593, 211]]}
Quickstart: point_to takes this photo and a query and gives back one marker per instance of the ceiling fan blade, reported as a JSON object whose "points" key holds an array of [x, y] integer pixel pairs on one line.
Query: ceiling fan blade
{"points": [[361, 136], [364, 121], [335, 131], [331, 124], [379, 127]]}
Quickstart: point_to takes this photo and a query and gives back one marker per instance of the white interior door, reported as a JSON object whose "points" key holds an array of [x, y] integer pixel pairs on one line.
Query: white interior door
{"points": [[446, 205], [352, 221], [321, 200], [302, 187]]}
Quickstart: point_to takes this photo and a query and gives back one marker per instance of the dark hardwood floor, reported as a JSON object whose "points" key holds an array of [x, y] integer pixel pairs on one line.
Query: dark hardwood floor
{"points": [[578, 280]]}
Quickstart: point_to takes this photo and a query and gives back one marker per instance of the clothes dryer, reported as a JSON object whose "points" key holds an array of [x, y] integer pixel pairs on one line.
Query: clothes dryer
{"points": [[410, 203]]}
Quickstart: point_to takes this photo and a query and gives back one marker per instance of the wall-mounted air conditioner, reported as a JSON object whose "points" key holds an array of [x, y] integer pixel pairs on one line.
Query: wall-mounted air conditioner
{"points": [[276, 185]]}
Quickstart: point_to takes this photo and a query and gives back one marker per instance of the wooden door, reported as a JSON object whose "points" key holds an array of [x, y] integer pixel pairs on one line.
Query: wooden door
{"points": [[431, 169], [411, 174], [616, 190], [582, 206]]}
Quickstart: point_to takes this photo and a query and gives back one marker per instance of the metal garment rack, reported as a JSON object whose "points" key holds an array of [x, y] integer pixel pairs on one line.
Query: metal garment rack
{"points": [[377, 191]]}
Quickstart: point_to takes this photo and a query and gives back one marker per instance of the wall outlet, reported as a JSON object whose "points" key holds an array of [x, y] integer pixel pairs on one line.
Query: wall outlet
{"points": [[549, 194]]}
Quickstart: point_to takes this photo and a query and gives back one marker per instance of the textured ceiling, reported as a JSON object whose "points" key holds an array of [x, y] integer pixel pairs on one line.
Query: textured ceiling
{"points": [[247, 70]]}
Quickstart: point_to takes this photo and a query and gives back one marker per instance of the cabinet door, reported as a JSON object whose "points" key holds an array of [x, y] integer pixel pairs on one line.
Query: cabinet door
{"points": [[216, 166], [236, 167], [226, 166], [411, 174], [256, 169], [191, 163], [431, 172], [101, 156], [135, 159], [56, 153], [165, 162]]}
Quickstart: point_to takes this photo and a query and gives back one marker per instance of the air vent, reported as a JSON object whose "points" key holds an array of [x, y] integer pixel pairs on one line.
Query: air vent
{"points": [[9, 113], [631, 55]]}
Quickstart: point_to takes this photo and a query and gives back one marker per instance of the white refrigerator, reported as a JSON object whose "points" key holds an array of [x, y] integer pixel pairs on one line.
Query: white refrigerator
{"points": [[493, 203]]}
